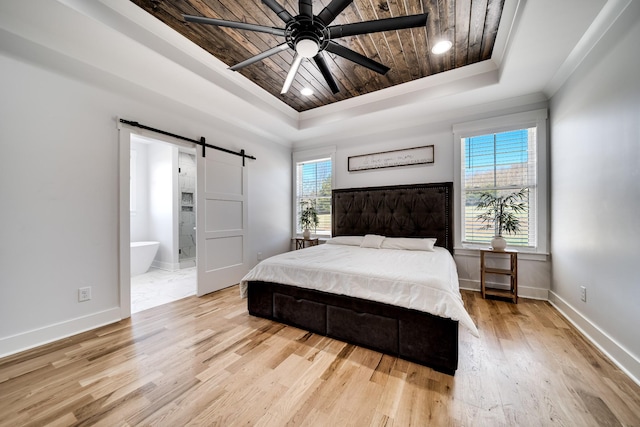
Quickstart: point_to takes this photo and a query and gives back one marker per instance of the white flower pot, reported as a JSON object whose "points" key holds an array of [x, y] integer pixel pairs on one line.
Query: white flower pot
{"points": [[498, 243], [306, 233]]}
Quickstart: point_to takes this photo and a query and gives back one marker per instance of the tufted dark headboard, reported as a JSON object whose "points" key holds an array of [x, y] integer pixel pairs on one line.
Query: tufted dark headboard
{"points": [[418, 210]]}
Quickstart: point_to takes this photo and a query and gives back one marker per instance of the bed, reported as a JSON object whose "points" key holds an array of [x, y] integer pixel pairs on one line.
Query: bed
{"points": [[390, 313]]}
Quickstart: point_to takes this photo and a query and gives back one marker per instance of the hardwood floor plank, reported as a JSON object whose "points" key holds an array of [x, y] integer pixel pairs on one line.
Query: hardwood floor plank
{"points": [[99, 409], [164, 395], [598, 409], [46, 411], [207, 361], [382, 370], [626, 408], [301, 392], [391, 395]]}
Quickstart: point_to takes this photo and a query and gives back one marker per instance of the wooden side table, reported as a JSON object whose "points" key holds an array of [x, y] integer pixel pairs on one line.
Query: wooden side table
{"points": [[512, 272], [302, 243]]}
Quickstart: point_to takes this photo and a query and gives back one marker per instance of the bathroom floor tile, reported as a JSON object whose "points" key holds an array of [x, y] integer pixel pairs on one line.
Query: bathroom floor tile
{"points": [[157, 287]]}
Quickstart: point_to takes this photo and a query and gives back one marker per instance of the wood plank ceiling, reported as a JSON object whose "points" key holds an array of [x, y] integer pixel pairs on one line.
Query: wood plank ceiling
{"points": [[471, 25]]}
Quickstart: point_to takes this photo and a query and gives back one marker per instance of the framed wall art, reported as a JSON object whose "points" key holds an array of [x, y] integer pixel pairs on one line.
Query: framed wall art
{"points": [[391, 159]]}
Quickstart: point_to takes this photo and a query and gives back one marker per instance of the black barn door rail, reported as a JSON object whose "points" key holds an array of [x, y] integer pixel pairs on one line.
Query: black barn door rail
{"points": [[200, 142]]}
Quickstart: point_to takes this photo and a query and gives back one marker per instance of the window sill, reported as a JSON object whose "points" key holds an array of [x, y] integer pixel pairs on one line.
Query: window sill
{"points": [[523, 254]]}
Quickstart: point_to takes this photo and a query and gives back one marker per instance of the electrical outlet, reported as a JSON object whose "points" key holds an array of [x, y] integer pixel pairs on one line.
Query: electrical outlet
{"points": [[84, 294], [583, 293], [259, 256]]}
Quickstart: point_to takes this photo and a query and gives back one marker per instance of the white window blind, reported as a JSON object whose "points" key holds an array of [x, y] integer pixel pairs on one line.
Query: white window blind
{"points": [[500, 164], [313, 184]]}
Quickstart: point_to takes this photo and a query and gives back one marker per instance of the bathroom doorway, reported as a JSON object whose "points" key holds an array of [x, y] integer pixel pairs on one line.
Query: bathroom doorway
{"points": [[162, 215]]}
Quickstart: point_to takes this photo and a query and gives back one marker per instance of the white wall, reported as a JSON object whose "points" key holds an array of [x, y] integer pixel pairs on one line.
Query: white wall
{"points": [[163, 203], [139, 219], [595, 152], [59, 226]]}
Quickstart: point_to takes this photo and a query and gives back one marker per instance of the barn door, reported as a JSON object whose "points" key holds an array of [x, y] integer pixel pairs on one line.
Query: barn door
{"points": [[221, 220]]}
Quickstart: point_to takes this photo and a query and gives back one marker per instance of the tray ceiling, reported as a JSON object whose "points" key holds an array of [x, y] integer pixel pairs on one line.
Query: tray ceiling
{"points": [[471, 25]]}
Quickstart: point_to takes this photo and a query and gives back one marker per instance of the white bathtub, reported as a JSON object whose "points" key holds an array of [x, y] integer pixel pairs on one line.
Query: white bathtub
{"points": [[142, 255]]}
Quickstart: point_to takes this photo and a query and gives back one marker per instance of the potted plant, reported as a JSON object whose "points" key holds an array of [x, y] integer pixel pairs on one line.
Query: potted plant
{"points": [[500, 213], [308, 217]]}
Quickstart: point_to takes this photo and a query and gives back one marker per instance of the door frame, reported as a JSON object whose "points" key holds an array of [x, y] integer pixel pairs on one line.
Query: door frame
{"points": [[124, 216]]}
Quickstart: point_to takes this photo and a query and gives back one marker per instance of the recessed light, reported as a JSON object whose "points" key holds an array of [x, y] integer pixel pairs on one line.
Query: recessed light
{"points": [[441, 47], [306, 91]]}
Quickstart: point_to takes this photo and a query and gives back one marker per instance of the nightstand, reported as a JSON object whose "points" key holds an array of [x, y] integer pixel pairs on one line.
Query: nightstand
{"points": [[512, 272], [302, 243]]}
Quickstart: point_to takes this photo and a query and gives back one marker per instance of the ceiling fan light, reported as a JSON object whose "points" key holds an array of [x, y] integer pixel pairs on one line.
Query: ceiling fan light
{"points": [[441, 47], [307, 48]]}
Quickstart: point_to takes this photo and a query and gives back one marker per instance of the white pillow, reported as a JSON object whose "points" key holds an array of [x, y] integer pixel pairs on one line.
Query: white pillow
{"points": [[372, 241], [346, 240], [408, 243]]}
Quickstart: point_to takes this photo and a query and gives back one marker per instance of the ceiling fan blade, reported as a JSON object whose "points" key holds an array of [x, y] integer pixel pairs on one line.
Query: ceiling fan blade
{"points": [[278, 9], [305, 8], [234, 24], [324, 69], [292, 74], [387, 24], [260, 56], [332, 10], [354, 56]]}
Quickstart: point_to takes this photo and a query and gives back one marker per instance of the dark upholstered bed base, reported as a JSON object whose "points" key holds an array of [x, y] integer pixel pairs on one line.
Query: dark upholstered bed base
{"points": [[413, 335]]}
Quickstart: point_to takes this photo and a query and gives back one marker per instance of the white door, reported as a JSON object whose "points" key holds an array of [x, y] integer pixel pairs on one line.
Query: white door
{"points": [[221, 220]]}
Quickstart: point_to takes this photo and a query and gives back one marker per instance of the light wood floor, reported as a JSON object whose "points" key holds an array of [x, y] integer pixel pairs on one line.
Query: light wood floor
{"points": [[205, 361]]}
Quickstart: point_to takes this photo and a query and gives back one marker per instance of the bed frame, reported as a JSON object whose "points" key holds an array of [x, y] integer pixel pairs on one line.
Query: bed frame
{"points": [[421, 210]]}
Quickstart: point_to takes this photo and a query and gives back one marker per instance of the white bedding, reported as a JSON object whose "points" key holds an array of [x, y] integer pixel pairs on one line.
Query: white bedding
{"points": [[419, 280]]}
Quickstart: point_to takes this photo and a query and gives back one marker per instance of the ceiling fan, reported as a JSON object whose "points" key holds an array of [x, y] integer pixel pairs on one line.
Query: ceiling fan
{"points": [[310, 35]]}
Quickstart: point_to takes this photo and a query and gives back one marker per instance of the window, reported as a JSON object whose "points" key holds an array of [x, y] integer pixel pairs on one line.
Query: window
{"points": [[499, 164], [314, 187], [313, 181], [502, 156]]}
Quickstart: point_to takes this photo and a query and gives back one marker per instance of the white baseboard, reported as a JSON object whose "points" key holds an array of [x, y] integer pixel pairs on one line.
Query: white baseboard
{"points": [[523, 291], [37, 337], [620, 356]]}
